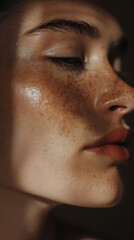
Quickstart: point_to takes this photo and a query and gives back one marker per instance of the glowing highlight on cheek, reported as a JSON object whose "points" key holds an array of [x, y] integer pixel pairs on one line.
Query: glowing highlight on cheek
{"points": [[33, 94]]}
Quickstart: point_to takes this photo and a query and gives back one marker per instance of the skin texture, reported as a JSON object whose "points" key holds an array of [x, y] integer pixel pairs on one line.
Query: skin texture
{"points": [[51, 112]]}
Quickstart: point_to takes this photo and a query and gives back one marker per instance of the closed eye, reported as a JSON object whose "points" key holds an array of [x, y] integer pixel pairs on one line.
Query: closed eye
{"points": [[70, 63]]}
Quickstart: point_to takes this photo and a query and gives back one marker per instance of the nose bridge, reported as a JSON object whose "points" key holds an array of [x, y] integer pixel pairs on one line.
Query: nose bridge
{"points": [[115, 95]]}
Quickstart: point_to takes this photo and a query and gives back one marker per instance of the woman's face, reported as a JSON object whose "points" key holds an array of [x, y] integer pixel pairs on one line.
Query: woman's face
{"points": [[65, 96]]}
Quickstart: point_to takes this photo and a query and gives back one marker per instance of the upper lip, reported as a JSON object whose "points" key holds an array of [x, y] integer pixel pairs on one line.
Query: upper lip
{"points": [[118, 136]]}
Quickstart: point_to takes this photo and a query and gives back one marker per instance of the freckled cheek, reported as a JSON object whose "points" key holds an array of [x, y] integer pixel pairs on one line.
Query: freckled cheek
{"points": [[27, 100], [36, 110], [38, 91], [52, 95]]}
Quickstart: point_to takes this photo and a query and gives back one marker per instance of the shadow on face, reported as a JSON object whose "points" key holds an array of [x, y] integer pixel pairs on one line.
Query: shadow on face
{"points": [[53, 109]]}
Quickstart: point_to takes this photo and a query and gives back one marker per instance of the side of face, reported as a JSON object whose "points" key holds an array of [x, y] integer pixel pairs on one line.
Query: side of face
{"points": [[57, 108]]}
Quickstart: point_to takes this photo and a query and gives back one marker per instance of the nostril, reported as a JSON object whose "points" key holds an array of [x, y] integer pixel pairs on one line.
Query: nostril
{"points": [[115, 107]]}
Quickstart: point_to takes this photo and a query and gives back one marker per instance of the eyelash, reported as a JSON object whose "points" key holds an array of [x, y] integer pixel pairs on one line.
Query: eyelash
{"points": [[75, 63], [71, 63]]}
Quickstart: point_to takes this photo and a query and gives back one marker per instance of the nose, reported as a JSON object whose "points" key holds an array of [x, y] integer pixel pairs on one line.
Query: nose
{"points": [[116, 99]]}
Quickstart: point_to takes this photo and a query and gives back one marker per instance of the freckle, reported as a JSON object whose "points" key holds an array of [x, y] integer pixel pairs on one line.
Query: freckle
{"points": [[41, 114]]}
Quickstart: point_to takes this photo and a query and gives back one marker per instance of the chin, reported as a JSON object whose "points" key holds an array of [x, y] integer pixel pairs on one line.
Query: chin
{"points": [[112, 194], [102, 195], [111, 200], [108, 198], [106, 201]]}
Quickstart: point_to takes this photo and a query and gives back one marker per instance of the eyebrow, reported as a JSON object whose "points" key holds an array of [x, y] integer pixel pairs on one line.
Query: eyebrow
{"points": [[80, 27]]}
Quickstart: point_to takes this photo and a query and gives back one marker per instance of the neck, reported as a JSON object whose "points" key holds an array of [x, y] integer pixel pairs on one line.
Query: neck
{"points": [[23, 217]]}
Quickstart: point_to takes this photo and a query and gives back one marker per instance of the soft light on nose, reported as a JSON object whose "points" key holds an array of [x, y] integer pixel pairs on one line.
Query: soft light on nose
{"points": [[118, 100], [116, 105]]}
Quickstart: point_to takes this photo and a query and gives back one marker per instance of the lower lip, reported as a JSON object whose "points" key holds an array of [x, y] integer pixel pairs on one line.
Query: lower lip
{"points": [[117, 153]]}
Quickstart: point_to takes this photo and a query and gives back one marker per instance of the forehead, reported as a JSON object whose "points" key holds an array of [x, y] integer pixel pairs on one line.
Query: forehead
{"points": [[93, 12]]}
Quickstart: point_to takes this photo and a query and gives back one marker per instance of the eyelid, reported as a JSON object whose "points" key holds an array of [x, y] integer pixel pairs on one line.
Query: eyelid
{"points": [[78, 63], [64, 58], [47, 51], [63, 52]]}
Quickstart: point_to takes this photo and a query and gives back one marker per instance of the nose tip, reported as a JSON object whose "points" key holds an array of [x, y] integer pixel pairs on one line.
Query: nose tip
{"points": [[117, 102]]}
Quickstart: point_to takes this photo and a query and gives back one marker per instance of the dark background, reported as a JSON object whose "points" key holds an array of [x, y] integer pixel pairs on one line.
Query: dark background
{"points": [[117, 222]]}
